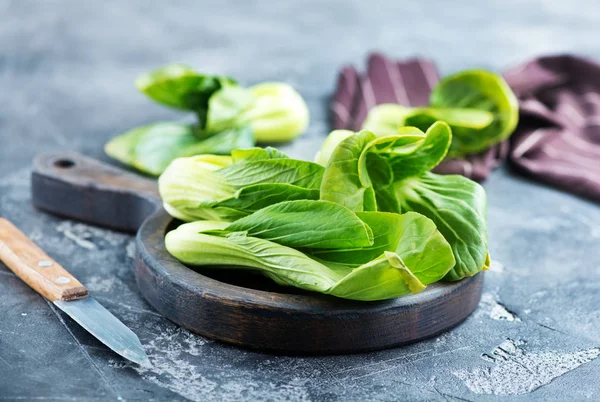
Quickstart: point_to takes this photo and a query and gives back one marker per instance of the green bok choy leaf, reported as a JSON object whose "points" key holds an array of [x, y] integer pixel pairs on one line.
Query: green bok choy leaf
{"points": [[307, 223], [151, 148], [391, 174], [274, 111], [479, 106], [228, 188], [229, 117], [180, 87], [387, 276]]}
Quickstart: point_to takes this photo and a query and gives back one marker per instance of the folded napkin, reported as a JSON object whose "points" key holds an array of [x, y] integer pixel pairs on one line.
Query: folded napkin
{"points": [[557, 140]]}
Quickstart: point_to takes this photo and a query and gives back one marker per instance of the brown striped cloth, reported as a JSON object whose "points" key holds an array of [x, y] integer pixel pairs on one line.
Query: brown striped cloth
{"points": [[558, 137]]}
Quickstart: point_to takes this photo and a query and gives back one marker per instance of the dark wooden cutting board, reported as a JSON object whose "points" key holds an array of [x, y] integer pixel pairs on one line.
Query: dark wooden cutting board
{"points": [[234, 306]]}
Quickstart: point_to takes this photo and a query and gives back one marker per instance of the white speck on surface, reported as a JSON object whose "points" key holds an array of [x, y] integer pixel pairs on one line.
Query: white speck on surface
{"points": [[78, 240], [99, 284], [130, 249], [87, 236], [496, 310], [496, 266], [500, 313], [35, 235], [24, 314], [517, 372]]}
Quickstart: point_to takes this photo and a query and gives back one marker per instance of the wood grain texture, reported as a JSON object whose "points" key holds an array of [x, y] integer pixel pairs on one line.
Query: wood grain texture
{"points": [[35, 267], [242, 309], [71, 185]]}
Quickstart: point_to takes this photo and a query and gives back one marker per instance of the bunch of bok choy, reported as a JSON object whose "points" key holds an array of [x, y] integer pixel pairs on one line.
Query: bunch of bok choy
{"points": [[369, 221], [228, 117]]}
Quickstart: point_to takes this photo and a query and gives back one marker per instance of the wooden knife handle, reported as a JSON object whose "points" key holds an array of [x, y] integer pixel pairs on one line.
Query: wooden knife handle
{"points": [[35, 267]]}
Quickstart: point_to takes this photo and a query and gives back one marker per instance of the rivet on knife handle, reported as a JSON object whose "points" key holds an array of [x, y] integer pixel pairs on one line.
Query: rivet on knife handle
{"points": [[35, 267]]}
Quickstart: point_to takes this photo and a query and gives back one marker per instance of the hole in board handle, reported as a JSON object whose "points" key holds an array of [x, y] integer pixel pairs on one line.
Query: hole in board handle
{"points": [[64, 163]]}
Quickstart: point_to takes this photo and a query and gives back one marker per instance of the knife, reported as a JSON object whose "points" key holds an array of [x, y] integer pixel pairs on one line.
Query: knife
{"points": [[48, 278]]}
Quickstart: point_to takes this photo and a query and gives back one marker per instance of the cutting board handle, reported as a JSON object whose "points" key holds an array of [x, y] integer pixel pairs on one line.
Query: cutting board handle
{"points": [[82, 188]]}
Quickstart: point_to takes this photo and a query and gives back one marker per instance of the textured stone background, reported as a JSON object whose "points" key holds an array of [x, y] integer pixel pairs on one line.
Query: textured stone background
{"points": [[66, 83]]}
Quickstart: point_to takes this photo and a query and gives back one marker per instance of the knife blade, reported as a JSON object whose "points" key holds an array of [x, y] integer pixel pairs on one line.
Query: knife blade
{"points": [[48, 278]]}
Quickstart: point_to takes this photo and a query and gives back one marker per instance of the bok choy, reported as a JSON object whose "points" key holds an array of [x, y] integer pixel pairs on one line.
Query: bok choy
{"points": [[230, 187], [229, 117], [478, 105], [368, 222]]}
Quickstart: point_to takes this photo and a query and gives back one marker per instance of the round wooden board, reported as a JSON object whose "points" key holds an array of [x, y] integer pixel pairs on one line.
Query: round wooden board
{"points": [[233, 306]]}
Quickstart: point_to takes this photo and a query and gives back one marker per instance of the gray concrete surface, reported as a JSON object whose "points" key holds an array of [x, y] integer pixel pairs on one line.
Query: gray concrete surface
{"points": [[66, 83]]}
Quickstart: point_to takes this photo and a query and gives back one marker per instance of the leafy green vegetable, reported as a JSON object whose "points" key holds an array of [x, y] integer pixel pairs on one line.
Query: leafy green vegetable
{"points": [[347, 179], [411, 153], [226, 107], [188, 184], [410, 235], [478, 105], [179, 86], [209, 187], [373, 224], [387, 276], [238, 251], [230, 117], [251, 154], [285, 171], [307, 223], [382, 278], [455, 117], [481, 90], [257, 196], [385, 119], [393, 172], [457, 205], [331, 142], [151, 148], [382, 178], [274, 111]]}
